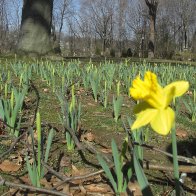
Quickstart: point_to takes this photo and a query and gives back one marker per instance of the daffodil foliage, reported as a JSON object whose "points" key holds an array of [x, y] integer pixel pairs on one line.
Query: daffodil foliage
{"points": [[154, 101]]}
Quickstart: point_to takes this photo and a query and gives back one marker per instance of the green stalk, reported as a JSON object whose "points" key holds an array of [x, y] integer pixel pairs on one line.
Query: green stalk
{"points": [[8, 76], [63, 83], [21, 79], [38, 125], [175, 161], [6, 90], [118, 89], [73, 99], [12, 100], [105, 95]]}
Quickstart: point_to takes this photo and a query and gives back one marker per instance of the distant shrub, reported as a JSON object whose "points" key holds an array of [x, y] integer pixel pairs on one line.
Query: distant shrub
{"points": [[112, 52], [98, 51], [185, 56], [129, 52], [124, 53]]}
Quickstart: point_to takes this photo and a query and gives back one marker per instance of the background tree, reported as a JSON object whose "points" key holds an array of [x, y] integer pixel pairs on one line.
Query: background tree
{"points": [[122, 11], [194, 43], [185, 12], [152, 6], [100, 14], [35, 34], [4, 28], [137, 27], [61, 11]]}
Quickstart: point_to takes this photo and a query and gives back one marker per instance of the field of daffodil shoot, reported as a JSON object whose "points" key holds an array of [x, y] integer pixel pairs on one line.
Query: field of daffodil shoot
{"points": [[86, 128]]}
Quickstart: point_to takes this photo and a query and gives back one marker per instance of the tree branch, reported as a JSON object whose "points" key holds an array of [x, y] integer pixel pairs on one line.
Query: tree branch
{"points": [[180, 158], [32, 188], [12, 146]]}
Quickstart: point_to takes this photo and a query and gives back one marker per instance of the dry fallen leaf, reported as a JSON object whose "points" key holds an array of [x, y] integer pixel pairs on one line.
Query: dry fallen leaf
{"points": [[18, 159], [12, 191], [25, 179], [30, 137], [99, 188], [2, 127], [88, 136], [106, 150], [65, 161], [78, 172], [45, 183], [54, 181], [91, 104], [134, 188], [75, 170], [8, 166], [66, 188], [82, 189], [189, 92], [181, 133]]}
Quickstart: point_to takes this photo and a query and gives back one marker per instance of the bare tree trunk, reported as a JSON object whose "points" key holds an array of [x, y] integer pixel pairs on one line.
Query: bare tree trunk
{"points": [[152, 6], [151, 43], [194, 43], [35, 32], [185, 38], [61, 16], [4, 30]]}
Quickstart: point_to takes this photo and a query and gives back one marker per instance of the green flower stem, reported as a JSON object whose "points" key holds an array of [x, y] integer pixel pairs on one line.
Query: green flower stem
{"points": [[175, 161], [38, 125]]}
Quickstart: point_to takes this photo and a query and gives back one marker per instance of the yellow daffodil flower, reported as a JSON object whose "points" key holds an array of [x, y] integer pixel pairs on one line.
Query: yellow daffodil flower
{"points": [[154, 105]]}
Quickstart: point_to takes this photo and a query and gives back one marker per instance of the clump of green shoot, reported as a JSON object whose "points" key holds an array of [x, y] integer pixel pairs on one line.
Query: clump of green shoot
{"points": [[10, 110], [120, 180], [190, 105], [71, 116], [117, 103], [36, 170], [94, 81]]}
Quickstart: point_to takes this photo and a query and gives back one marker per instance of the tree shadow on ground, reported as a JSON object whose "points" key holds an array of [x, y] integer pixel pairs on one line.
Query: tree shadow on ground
{"points": [[186, 148]]}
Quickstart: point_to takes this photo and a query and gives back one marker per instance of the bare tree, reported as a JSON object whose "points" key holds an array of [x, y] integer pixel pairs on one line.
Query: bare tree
{"points": [[185, 12], [85, 32], [100, 14], [137, 26], [122, 11], [194, 43], [61, 11]]}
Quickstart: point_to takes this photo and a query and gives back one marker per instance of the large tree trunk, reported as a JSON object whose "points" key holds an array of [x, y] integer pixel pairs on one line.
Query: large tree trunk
{"points": [[35, 33], [152, 6]]}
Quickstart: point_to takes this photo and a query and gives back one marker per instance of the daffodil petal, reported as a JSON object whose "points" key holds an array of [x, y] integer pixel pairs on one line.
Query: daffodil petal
{"points": [[163, 121], [141, 107], [180, 88], [144, 117], [169, 94]]}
